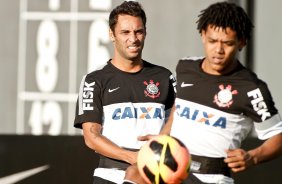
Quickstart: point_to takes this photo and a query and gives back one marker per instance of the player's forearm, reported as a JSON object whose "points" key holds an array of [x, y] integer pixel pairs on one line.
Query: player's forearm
{"points": [[269, 150], [102, 145], [166, 129], [109, 149], [105, 147]]}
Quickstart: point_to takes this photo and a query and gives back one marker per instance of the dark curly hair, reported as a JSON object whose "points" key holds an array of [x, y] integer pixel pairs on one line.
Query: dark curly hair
{"points": [[223, 15], [127, 8]]}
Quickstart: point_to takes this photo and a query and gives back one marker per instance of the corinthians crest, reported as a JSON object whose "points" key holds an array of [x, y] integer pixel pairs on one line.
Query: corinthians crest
{"points": [[224, 98], [152, 89]]}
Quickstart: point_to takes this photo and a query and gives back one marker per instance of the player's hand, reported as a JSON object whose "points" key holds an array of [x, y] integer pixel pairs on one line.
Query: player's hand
{"points": [[238, 160], [132, 174], [132, 158], [146, 137]]}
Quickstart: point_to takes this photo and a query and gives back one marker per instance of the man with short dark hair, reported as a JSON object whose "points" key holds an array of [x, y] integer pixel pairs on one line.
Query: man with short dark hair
{"points": [[129, 97]]}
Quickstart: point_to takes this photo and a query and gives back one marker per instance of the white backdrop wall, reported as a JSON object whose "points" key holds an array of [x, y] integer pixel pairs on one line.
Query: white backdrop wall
{"points": [[267, 47], [38, 94]]}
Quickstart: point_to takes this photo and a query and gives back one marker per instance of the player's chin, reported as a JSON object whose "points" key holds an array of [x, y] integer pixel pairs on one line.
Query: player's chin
{"points": [[134, 56], [218, 67]]}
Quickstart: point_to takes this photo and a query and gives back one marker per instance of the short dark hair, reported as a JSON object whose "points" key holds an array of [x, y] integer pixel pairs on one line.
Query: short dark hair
{"points": [[127, 8], [223, 15]]}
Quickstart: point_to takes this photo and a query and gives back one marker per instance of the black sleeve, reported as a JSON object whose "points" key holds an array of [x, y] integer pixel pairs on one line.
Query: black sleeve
{"points": [[89, 105]]}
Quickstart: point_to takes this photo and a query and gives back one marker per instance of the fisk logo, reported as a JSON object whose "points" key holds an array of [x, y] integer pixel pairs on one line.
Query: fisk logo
{"points": [[201, 116], [258, 104], [87, 101], [138, 113]]}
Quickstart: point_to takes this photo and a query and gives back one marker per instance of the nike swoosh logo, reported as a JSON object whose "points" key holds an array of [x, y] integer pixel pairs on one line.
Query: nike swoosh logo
{"points": [[111, 90], [186, 85], [14, 178]]}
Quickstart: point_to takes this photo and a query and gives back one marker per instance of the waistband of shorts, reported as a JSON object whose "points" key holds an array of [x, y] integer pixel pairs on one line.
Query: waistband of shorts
{"points": [[106, 162], [208, 165]]}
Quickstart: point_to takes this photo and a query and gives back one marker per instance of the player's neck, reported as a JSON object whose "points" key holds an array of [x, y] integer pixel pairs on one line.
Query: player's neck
{"points": [[207, 68], [130, 66]]}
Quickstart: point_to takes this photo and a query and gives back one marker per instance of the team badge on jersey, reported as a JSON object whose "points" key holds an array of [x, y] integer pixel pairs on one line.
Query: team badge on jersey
{"points": [[152, 89], [224, 98]]}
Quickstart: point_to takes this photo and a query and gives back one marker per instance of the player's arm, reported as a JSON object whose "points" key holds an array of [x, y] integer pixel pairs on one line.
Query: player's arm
{"points": [[239, 159], [269, 150], [165, 130], [270, 130], [167, 127], [132, 175], [102, 145]]}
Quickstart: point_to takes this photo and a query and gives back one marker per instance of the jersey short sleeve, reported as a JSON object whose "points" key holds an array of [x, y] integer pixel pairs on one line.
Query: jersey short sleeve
{"points": [[266, 118], [89, 107]]}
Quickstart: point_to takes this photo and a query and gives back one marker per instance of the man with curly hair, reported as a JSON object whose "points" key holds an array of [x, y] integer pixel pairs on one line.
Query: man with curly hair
{"points": [[219, 101]]}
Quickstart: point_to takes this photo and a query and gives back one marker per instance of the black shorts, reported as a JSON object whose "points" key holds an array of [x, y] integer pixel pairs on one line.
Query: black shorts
{"points": [[208, 165], [106, 162], [192, 179], [98, 180]]}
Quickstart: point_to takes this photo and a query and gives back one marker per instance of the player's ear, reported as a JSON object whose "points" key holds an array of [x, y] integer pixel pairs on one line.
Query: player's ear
{"points": [[203, 36], [242, 43], [112, 36]]}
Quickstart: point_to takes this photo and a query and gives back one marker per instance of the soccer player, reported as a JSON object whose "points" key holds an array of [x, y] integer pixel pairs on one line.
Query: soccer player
{"points": [[127, 98], [219, 101]]}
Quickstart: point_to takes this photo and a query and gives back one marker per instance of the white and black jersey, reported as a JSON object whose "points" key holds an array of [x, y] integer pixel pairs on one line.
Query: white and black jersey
{"points": [[215, 113], [127, 105]]}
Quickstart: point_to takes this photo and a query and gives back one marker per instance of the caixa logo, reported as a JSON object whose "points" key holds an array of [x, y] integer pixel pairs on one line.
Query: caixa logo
{"points": [[138, 113], [201, 116]]}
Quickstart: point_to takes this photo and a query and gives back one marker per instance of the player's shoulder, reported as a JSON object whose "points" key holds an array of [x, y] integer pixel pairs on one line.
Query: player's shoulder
{"points": [[249, 77], [190, 60], [189, 63], [151, 66], [98, 74], [248, 74]]}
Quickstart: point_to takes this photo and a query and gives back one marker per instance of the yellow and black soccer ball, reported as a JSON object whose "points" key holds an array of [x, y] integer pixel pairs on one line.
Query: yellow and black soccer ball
{"points": [[164, 159]]}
